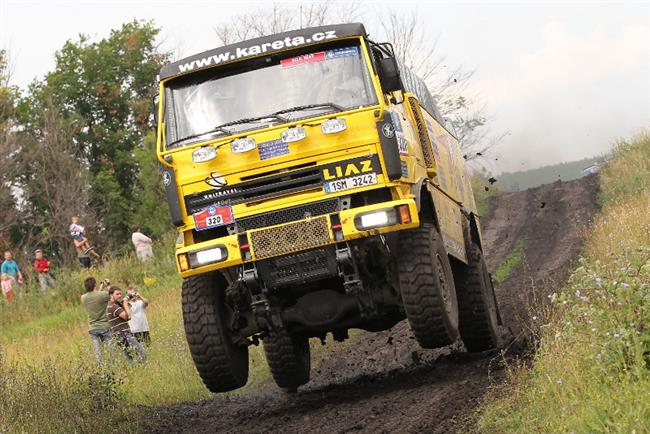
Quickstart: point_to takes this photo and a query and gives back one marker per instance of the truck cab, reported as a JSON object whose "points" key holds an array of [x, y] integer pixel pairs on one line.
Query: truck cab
{"points": [[315, 189]]}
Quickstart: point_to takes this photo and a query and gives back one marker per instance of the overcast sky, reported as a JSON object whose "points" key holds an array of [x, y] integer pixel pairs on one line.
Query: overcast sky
{"points": [[564, 80]]}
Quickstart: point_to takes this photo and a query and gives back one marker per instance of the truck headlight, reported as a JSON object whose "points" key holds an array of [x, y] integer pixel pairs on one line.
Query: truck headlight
{"points": [[243, 144], [375, 219], [383, 217], [208, 256], [293, 134], [333, 126], [206, 153]]}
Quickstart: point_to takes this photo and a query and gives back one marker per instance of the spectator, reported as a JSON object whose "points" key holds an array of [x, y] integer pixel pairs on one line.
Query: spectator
{"points": [[42, 267], [83, 257], [10, 267], [138, 323], [77, 232], [95, 303], [118, 313], [7, 284], [142, 244]]}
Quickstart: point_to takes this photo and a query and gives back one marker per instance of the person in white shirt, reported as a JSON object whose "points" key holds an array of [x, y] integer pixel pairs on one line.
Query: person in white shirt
{"points": [[142, 244], [138, 323]]}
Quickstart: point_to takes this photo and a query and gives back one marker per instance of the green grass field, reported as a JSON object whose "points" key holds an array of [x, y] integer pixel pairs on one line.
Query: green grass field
{"points": [[591, 371], [49, 381]]}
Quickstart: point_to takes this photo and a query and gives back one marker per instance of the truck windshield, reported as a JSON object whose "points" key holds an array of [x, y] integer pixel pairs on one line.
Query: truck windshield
{"points": [[298, 87]]}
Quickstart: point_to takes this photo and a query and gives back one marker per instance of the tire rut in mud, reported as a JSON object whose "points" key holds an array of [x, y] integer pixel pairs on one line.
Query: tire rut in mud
{"points": [[383, 382]]}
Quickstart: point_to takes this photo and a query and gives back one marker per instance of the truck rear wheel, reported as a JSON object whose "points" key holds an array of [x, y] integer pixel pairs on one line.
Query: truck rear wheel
{"points": [[222, 365], [289, 359], [427, 287], [479, 315]]}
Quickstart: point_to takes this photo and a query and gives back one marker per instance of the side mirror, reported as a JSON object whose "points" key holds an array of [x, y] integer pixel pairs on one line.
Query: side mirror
{"points": [[389, 76]]}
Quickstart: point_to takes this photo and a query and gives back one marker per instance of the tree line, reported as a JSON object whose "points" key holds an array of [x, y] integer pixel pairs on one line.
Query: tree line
{"points": [[79, 142]]}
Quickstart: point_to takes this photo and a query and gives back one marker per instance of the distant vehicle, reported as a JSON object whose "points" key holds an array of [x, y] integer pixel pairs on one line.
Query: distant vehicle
{"points": [[315, 189], [590, 170]]}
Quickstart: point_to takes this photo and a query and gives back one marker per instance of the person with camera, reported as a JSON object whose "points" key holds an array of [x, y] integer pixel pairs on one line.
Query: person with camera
{"points": [[118, 313], [138, 322], [95, 302]]}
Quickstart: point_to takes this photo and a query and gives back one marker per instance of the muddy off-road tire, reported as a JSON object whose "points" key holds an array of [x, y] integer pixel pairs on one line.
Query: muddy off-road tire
{"points": [[221, 365], [427, 287], [478, 311], [289, 359]]}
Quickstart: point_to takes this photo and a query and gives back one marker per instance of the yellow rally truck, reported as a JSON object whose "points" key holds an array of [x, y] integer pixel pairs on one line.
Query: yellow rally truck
{"points": [[315, 189]]}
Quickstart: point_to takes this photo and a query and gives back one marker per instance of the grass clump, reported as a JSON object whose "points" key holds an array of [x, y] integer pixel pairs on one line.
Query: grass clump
{"points": [[591, 370], [511, 261]]}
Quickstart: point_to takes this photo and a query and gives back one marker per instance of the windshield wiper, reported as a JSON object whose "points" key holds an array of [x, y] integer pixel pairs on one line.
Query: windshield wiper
{"points": [[218, 129], [222, 128], [254, 119], [310, 107]]}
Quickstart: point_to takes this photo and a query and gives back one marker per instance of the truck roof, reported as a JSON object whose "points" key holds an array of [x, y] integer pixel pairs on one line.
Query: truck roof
{"points": [[262, 45]]}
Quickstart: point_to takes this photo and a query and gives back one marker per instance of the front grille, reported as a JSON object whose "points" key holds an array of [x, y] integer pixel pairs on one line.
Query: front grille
{"points": [[287, 215], [302, 267], [258, 189], [290, 238]]}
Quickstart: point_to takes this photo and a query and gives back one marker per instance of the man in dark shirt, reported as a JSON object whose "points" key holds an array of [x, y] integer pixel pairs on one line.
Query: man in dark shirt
{"points": [[118, 313]]}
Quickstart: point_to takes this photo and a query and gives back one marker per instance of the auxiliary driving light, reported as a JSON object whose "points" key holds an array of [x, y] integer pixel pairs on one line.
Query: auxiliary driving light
{"points": [[293, 134], [333, 126], [376, 219], [243, 144], [203, 154], [208, 256]]}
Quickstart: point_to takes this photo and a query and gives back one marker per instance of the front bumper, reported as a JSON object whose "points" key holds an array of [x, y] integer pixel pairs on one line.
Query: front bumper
{"points": [[290, 238]]}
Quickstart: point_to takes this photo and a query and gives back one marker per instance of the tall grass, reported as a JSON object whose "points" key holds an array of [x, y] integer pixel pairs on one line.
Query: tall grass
{"points": [[49, 381], [591, 372]]}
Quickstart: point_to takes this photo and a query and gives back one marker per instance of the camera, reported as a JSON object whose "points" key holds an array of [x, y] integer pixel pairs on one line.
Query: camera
{"points": [[104, 284], [130, 295]]}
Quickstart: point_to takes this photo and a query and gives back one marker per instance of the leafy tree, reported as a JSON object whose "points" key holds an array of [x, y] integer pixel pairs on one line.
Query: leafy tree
{"points": [[152, 213], [9, 216], [103, 88]]}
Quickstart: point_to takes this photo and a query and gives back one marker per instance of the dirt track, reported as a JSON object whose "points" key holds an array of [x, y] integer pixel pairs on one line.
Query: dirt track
{"points": [[383, 382]]}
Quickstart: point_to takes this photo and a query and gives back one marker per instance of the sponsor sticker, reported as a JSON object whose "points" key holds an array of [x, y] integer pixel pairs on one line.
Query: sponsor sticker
{"points": [[338, 53], [213, 216], [399, 133], [303, 59], [272, 149], [405, 169], [167, 178], [388, 130]]}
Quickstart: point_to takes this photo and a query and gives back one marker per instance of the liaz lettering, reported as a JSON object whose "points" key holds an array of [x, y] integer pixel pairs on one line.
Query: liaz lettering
{"points": [[347, 169]]}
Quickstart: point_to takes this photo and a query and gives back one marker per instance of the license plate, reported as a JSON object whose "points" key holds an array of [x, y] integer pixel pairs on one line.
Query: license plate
{"points": [[351, 182], [212, 217]]}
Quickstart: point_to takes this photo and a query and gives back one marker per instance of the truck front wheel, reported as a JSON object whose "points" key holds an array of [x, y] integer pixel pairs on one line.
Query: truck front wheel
{"points": [[222, 365], [427, 287], [289, 359]]}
